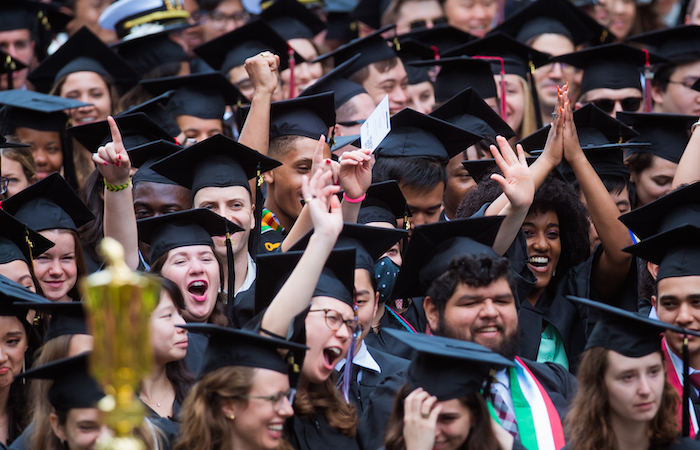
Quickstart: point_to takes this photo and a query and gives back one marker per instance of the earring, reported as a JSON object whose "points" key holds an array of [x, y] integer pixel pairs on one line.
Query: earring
{"points": [[232, 417]]}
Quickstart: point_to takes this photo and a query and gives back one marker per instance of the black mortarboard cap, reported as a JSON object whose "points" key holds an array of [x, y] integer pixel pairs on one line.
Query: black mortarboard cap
{"points": [[34, 110], [337, 82], [384, 202], [680, 207], [481, 169], [441, 37], [47, 204], [203, 95], [309, 116], [340, 26], [13, 240], [232, 49], [72, 387], [337, 279], [136, 129], [35, 16], [415, 134], [66, 317], [157, 110], [292, 20], [610, 66], [218, 161], [448, 368], [145, 155], [369, 242], [371, 48], [675, 250], [246, 348], [678, 44], [370, 12], [10, 293], [433, 246], [182, 229], [458, 73], [148, 52], [625, 332], [342, 141], [468, 111], [667, 133], [516, 55], [555, 17], [84, 52], [410, 50], [134, 19]]}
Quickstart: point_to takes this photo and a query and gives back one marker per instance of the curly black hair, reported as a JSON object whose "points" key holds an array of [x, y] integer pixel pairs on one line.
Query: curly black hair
{"points": [[554, 195]]}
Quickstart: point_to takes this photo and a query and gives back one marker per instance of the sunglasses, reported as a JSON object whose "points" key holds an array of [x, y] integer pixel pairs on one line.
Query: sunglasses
{"points": [[628, 104], [416, 24]]}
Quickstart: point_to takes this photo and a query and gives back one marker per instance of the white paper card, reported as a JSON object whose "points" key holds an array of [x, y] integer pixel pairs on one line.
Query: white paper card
{"points": [[376, 127]]}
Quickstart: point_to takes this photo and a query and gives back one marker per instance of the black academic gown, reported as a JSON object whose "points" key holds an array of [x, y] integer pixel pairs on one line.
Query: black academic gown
{"points": [[390, 365], [242, 309], [197, 343], [559, 384], [314, 432], [415, 315], [169, 426]]}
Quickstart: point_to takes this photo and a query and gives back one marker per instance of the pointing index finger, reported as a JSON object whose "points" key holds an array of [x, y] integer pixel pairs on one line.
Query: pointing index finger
{"points": [[116, 134]]}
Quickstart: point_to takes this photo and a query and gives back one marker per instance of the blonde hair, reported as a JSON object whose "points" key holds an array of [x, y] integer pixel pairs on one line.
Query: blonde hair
{"points": [[529, 123]]}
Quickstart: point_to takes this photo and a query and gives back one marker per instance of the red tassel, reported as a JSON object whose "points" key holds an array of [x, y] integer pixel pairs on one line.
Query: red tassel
{"points": [[648, 75], [436, 53], [292, 87]]}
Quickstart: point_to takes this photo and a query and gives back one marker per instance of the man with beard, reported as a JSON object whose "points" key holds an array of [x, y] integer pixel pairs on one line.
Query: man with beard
{"points": [[471, 296]]}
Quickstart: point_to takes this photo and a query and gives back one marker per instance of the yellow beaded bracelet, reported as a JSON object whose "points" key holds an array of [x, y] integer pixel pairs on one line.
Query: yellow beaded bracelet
{"points": [[116, 187]]}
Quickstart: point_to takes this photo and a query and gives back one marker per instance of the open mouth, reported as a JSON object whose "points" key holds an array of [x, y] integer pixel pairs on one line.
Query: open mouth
{"points": [[331, 356], [198, 289]]}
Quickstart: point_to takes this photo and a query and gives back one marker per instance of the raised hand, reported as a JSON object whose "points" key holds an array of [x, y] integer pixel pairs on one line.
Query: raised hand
{"points": [[517, 181], [355, 172], [323, 204], [325, 164], [554, 146], [572, 147], [112, 159], [262, 70], [420, 420]]}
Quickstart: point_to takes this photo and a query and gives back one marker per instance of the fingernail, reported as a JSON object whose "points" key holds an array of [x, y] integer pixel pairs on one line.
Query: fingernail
{"points": [[119, 157], [106, 163], [118, 164], [328, 161]]}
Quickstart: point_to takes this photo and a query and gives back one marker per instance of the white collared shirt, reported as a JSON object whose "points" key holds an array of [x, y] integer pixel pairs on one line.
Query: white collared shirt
{"points": [[249, 276], [501, 384], [364, 359]]}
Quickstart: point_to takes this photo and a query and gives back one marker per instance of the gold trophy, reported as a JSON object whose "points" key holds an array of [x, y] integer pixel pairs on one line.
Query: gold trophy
{"points": [[119, 303]]}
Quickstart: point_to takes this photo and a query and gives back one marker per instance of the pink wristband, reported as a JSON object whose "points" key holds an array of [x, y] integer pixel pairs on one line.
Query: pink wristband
{"points": [[354, 200]]}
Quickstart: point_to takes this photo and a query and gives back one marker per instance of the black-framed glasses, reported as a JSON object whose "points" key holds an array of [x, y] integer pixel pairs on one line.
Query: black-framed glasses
{"points": [[352, 123], [628, 104], [423, 23], [277, 399], [219, 19], [334, 321], [3, 185]]}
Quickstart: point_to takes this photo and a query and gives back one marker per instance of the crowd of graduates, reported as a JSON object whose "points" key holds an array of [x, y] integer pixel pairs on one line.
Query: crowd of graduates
{"points": [[515, 265]]}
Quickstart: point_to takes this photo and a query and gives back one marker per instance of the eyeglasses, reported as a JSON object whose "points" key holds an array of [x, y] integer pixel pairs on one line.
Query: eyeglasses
{"points": [[219, 19], [352, 123], [334, 321], [564, 67], [628, 104], [423, 23], [685, 83], [3, 185], [277, 399]]}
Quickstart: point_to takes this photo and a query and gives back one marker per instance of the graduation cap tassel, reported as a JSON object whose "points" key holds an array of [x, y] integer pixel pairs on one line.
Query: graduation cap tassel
{"points": [[292, 62], [254, 242], [686, 388], [347, 370], [436, 53], [648, 75], [30, 246], [231, 268], [10, 81], [533, 93]]}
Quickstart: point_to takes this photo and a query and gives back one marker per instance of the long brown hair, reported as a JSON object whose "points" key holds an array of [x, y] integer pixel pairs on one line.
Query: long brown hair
{"points": [[218, 314], [588, 420], [481, 436], [204, 426], [324, 398]]}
